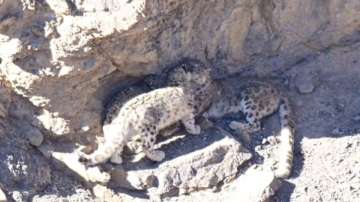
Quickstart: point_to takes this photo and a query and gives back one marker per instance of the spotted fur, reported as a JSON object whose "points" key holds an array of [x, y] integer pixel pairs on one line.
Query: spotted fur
{"points": [[287, 140], [142, 117], [257, 101], [183, 72]]}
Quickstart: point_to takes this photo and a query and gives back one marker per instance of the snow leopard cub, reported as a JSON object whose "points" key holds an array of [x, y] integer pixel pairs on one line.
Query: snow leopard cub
{"points": [[143, 116], [258, 100]]}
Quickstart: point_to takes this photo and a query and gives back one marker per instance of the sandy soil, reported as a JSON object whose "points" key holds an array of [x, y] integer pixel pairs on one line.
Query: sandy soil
{"points": [[327, 153]]}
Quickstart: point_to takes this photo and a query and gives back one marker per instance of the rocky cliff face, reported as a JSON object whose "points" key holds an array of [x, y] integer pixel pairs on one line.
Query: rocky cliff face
{"points": [[61, 59], [61, 55]]}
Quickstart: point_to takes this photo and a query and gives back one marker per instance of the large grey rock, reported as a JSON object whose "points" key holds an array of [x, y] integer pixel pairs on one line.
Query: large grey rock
{"points": [[255, 185], [201, 169]]}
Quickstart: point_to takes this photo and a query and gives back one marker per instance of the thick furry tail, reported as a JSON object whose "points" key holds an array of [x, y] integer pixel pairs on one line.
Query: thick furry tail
{"points": [[102, 154], [111, 148], [286, 141]]}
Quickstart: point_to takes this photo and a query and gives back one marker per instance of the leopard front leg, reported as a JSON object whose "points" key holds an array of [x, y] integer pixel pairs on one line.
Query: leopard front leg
{"points": [[116, 157], [190, 126], [251, 125], [149, 132], [170, 130], [155, 155]]}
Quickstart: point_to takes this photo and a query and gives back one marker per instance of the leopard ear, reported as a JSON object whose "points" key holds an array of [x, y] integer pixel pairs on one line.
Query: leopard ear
{"points": [[204, 75], [176, 75], [180, 71]]}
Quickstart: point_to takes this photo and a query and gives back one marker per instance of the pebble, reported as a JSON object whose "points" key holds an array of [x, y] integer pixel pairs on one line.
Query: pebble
{"points": [[304, 83], [35, 137], [2, 196], [85, 128], [305, 87]]}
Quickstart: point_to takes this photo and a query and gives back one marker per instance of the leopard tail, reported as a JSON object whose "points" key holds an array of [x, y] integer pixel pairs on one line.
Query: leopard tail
{"points": [[286, 141]]}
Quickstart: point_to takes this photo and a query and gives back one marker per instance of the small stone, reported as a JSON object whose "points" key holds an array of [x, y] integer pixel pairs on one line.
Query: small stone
{"points": [[306, 189], [2, 196], [85, 128], [304, 83], [254, 185], [35, 137], [305, 87]]}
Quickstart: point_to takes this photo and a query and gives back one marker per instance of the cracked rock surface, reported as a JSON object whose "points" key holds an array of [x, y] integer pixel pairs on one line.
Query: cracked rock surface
{"points": [[198, 169]]}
